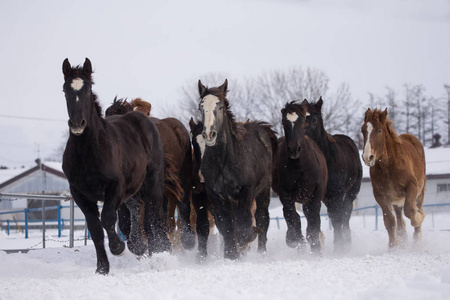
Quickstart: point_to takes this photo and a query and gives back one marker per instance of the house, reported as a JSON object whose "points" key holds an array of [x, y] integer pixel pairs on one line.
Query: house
{"points": [[46, 178], [438, 179]]}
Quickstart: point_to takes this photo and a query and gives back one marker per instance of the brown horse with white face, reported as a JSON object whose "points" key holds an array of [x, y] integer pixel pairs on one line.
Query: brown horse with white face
{"points": [[397, 171]]}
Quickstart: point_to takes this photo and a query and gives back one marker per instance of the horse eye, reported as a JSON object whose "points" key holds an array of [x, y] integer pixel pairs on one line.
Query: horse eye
{"points": [[379, 131]]}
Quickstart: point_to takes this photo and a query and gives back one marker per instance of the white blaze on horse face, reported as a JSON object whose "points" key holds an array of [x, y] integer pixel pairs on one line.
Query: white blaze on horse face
{"points": [[367, 152], [292, 117], [208, 106], [77, 84]]}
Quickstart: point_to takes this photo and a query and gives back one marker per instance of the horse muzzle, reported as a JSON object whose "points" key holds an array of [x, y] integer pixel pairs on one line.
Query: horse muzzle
{"points": [[369, 160], [77, 128], [210, 139]]}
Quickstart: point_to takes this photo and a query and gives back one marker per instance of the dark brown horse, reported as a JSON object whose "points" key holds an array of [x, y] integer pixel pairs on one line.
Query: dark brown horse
{"points": [[111, 161], [300, 175], [397, 172], [177, 146], [237, 168], [344, 174]]}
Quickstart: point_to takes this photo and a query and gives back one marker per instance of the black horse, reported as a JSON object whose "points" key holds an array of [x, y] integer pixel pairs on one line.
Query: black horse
{"points": [[110, 161], [199, 197], [177, 154], [237, 168], [300, 175], [344, 174]]}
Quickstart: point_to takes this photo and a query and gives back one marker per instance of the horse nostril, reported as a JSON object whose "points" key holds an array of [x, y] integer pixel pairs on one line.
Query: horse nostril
{"points": [[371, 157], [299, 149], [83, 123], [204, 135], [213, 134], [70, 123]]}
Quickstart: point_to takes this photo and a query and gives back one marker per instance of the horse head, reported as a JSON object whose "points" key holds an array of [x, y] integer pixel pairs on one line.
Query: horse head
{"points": [[198, 143], [78, 91], [293, 120], [118, 107], [213, 107], [374, 133], [314, 121]]}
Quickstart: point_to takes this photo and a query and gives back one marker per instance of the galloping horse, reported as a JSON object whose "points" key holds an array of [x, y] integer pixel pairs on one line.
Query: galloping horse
{"points": [[344, 174], [300, 175], [397, 172], [199, 198], [111, 160], [237, 168], [177, 147]]}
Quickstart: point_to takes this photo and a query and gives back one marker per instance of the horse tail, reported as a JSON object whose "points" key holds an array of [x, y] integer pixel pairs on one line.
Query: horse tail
{"points": [[172, 183]]}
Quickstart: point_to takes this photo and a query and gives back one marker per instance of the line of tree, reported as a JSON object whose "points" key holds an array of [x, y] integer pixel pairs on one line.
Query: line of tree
{"points": [[263, 96]]}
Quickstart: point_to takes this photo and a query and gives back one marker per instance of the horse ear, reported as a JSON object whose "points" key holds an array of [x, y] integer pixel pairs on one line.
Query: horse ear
{"points": [[87, 67], [320, 103], [383, 116], [201, 88], [192, 124], [282, 111], [366, 115], [305, 102], [224, 87], [66, 67]]}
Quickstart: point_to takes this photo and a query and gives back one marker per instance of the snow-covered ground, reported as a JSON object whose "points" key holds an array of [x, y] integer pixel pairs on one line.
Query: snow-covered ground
{"points": [[369, 271]]}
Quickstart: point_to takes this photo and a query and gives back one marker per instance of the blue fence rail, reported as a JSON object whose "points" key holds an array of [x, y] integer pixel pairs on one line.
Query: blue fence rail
{"points": [[60, 221]]}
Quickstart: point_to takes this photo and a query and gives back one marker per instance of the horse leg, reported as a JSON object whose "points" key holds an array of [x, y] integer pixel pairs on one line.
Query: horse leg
{"points": [[335, 210], [155, 217], [294, 236], [389, 220], [200, 203], [90, 211], [135, 242], [171, 206], [124, 220], [401, 229], [262, 218], [244, 218], [311, 209], [224, 219], [414, 210], [108, 220], [184, 206]]}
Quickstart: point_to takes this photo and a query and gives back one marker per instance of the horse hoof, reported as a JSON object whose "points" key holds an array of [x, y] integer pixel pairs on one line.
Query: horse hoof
{"points": [[188, 240], [137, 250], [102, 268], [119, 250]]}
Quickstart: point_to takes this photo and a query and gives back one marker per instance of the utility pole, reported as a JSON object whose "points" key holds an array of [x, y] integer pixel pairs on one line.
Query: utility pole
{"points": [[447, 87]]}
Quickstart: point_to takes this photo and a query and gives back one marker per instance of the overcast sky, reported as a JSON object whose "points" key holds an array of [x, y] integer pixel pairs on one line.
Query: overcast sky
{"points": [[153, 48]]}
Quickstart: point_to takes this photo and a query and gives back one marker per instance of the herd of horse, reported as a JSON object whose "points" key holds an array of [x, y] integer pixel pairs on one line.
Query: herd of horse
{"points": [[143, 168]]}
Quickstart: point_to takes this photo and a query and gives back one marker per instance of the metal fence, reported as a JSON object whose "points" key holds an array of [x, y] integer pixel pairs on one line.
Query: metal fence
{"points": [[60, 222]]}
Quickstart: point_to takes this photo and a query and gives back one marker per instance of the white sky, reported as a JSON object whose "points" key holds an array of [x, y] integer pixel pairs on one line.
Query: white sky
{"points": [[152, 48]]}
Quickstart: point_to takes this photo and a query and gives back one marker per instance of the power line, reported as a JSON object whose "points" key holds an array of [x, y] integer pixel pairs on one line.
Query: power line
{"points": [[32, 118]]}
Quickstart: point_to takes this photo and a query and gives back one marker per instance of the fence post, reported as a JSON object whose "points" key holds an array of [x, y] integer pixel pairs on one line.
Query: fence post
{"points": [[376, 217], [72, 223], [7, 226], [43, 223], [278, 222], [26, 222], [59, 220]]}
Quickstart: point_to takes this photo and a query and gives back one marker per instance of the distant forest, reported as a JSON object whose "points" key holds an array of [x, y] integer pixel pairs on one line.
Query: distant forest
{"points": [[261, 98]]}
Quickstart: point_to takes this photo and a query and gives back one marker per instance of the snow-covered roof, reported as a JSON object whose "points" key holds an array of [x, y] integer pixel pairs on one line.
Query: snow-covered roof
{"points": [[437, 159]]}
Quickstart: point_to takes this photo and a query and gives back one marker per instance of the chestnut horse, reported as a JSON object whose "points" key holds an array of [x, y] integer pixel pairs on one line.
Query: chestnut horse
{"points": [[397, 172], [177, 147], [111, 160]]}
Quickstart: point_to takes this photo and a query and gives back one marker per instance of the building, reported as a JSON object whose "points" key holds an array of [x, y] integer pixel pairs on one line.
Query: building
{"points": [[46, 178]]}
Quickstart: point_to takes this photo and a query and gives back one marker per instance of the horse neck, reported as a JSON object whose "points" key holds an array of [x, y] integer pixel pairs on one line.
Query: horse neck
{"points": [[389, 152], [322, 138]]}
